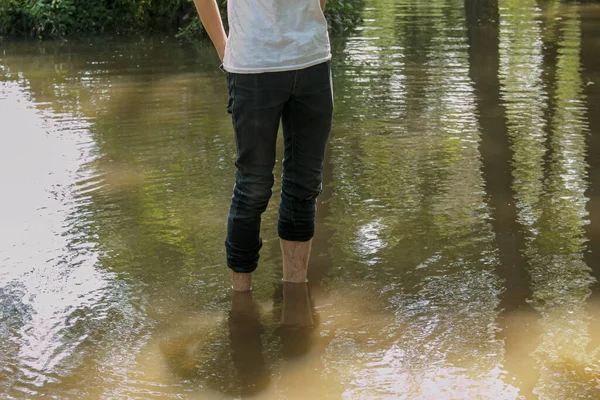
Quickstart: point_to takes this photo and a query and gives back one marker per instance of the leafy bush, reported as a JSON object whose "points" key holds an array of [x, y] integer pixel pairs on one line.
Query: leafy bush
{"points": [[341, 15], [61, 18], [194, 29]]}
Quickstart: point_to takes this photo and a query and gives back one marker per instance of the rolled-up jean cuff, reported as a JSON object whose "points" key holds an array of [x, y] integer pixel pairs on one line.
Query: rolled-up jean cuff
{"points": [[242, 262], [295, 236], [242, 269]]}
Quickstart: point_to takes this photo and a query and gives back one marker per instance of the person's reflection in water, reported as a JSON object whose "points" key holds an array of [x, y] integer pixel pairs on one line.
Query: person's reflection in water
{"points": [[297, 321], [245, 332]]}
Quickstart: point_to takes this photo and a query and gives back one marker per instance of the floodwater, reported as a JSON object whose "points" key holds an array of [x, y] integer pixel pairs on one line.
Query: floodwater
{"points": [[458, 233]]}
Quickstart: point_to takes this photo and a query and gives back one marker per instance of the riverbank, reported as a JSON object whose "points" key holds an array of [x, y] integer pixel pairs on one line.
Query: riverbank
{"points": [[46, 19]]}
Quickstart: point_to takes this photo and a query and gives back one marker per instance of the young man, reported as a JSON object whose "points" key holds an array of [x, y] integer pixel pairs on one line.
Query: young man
{"points": [[278, 70]]}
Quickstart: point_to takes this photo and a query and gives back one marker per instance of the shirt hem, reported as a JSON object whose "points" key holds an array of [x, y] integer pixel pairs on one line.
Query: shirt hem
{"points": [[277, 68]]}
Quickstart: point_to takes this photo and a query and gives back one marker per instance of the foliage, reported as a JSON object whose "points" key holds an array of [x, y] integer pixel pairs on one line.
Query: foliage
{"points": [[343, 14], [44, 18], [194, 29], [62, 18]]}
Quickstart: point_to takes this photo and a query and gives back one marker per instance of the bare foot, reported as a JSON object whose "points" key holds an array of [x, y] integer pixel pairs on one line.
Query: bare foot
{"points": [[242, 282]]}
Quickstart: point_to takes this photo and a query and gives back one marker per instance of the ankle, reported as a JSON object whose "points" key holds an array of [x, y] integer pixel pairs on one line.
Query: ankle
{"points": [[241, 282], [295, 260]]}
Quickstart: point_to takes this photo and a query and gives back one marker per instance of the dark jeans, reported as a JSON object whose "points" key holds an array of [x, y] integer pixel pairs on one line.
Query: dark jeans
{"points": [[303, 101]]}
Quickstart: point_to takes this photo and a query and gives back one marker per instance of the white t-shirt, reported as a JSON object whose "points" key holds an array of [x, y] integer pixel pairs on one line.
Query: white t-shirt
{"points": [[275, 35]]}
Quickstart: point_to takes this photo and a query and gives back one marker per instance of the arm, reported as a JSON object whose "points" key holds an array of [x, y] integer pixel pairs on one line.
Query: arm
{"points": [[211, 19], [323, 2]]}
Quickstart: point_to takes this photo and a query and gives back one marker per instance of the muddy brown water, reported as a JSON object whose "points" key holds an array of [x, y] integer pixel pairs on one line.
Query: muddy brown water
{"points": [[458, 232]]}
